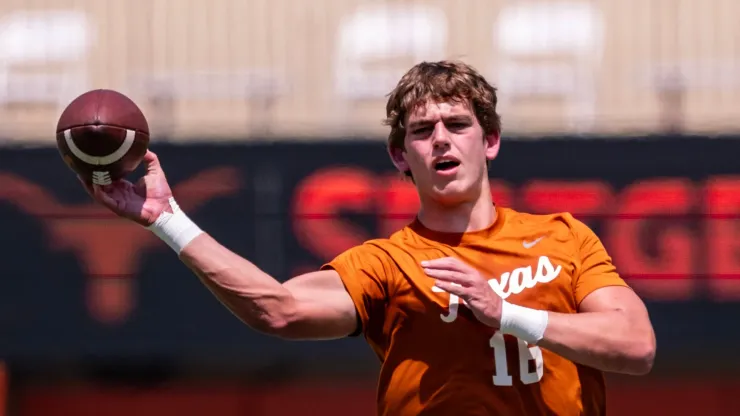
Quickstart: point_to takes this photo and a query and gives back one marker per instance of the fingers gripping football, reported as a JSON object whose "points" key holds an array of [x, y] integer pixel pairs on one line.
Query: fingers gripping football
{"points": [[457, 278], [152, 163], [142, 202]]}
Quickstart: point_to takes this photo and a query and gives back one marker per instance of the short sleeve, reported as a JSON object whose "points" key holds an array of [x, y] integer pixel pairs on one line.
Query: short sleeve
{"points": [[365, 271], [596, 269]]}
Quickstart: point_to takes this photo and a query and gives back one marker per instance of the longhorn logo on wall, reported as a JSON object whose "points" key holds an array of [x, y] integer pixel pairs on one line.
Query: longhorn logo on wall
{"points": [[108, 248]]}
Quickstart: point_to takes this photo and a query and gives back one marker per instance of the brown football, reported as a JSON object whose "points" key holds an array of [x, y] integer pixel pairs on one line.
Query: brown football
{"points": [[103, 136]]}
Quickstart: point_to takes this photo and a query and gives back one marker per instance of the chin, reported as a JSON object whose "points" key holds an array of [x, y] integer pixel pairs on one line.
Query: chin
{"points": [[451, 193]]}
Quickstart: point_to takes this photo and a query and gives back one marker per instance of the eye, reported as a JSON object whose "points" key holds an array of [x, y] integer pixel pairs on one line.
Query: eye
{"points": [[457, 125], [421, 130]]}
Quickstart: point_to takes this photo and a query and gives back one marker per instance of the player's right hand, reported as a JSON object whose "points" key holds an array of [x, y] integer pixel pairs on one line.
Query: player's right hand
{"points": [[142, 202]]}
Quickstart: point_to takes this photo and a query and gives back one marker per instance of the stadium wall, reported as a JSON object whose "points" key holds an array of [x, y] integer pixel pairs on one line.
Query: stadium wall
{"points": [[85, 293]]}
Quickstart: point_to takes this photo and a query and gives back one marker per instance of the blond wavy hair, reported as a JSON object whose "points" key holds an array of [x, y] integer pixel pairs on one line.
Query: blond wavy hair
{"points": [[443, 81]]}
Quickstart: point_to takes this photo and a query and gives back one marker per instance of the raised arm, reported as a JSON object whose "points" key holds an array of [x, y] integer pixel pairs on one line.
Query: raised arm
{"points": [[311, 306]]}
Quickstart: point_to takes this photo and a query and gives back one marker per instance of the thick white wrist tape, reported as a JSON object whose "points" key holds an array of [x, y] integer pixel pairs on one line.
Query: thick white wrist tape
{"points": [[524, 323], [175, 229]]}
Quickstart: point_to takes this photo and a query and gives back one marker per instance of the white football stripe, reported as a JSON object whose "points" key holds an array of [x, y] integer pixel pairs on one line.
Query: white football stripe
{"points": [[100, 160]]}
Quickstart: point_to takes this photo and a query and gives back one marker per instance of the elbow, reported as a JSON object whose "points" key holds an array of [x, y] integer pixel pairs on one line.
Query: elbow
{"points": [[277, 323], [646, 358], [274, 321], [286, 330], [276, 326], [642, 356]]}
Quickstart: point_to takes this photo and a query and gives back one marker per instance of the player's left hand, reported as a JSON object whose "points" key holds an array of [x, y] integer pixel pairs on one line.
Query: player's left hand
{"points": [[455, 277]]}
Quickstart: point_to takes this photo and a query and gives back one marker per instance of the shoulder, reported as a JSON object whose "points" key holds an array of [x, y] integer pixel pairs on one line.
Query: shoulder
{"points": [[370, 254], [369, 248], [383, 253], [559, 225]]}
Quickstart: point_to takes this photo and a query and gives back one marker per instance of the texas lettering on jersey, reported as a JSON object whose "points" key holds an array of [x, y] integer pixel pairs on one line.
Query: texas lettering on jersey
{"points": [[437, 359], [509, 283]]}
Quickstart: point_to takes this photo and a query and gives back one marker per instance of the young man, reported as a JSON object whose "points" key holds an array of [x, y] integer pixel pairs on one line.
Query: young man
{"points": [[473, 308]]}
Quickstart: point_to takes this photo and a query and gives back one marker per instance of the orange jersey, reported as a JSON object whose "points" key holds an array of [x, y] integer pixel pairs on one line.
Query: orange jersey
{"points": [[437, 358]]}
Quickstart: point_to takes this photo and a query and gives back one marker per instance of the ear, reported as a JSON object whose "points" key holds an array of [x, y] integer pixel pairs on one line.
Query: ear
{"points": [[492, 143], [398, 158]]}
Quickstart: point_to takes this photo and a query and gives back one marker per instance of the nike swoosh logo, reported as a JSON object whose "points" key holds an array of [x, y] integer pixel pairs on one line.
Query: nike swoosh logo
{"points": [[530, 244]]}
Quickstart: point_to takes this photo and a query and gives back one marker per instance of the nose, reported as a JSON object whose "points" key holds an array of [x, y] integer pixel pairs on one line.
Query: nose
{"points": [[440, 136]]}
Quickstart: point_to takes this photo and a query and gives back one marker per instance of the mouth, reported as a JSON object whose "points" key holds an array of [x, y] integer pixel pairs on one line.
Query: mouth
{"points": [[447, 165]]}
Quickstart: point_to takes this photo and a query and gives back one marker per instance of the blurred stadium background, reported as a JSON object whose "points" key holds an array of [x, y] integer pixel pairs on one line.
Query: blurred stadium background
{"points": [[266, 114]]}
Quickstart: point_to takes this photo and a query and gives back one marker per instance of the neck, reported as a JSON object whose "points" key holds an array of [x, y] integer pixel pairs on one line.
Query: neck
{"points": [[469, 216]]}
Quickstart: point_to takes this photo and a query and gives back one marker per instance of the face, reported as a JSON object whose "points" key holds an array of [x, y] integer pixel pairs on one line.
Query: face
{"points": [[446, 152]]}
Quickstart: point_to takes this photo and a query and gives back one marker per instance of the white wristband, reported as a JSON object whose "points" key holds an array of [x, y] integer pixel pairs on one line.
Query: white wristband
{"points": [[524, 323], [175, 229]]}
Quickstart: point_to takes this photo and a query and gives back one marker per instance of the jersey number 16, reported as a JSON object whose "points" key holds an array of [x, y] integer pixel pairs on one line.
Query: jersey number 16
{"points": [[526, 354]]}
